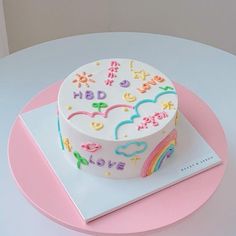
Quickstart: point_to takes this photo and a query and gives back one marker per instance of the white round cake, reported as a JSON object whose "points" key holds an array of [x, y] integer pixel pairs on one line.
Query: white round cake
{"points": [[117, 118]]}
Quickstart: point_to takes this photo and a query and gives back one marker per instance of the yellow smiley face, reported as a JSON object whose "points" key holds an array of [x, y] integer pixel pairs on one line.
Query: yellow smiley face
{"points": [[97, 125], [128, 97]]}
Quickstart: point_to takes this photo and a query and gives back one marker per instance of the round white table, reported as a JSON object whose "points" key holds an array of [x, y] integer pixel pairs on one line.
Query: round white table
{"points": [[207, 71]]}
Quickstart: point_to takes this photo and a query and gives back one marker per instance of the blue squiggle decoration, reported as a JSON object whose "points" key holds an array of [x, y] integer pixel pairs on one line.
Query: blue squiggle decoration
{"points": [[59, 132], [131, 120], [120, 149]]}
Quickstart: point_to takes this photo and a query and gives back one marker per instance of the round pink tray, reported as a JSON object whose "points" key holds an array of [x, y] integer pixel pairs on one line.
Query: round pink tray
{"points": [[42, 188]]}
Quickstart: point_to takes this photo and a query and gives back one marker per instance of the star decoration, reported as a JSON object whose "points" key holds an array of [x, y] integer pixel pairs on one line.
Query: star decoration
{"points": [[167, 105], [142, 74], [135, 159]]}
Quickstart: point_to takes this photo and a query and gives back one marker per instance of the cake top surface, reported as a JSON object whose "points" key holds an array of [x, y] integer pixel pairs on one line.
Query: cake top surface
{"points": [[117, 99]]}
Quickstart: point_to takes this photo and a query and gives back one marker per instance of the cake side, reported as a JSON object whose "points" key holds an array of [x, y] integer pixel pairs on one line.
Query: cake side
{"points": [[113, 114]]}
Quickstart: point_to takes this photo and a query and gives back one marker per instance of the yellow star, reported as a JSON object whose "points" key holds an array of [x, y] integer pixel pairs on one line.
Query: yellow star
{"points": [[135, 159], [142, 74], [167, 105]]}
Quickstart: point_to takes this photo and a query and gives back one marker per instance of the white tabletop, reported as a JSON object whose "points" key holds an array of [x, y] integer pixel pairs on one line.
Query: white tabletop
{"points": [[209, 72]]}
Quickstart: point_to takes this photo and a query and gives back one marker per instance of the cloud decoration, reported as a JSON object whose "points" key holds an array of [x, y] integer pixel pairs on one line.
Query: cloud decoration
{"points": [[136, 148], [137, 115]]}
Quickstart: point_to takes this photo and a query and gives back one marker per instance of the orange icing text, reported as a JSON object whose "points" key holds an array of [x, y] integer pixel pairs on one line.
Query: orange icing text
{"points": [[148, 85]]}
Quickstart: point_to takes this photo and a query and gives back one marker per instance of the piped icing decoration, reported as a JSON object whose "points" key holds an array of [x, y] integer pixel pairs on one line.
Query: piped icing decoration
{"points": [[89, 95], [125, 83], [152, 120], [141, 74], [176, 118], [80, 159], [69, 107], [120, 166], [67, 144], [131, 149], [166, 88], [131, 65], [77, 95], [99, 105], [134, 160], [152, 82], [101, 95], [100, 162], [112, 72], [107, 173], [104, 114], [168, 105], [137, 115], [59, 132], [97, 125], [83, 79], [162, 151], [91, 147], [128, 97]]}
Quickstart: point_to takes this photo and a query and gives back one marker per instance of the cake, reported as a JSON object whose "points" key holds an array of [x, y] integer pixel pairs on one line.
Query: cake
{"points": [[117, 118]]}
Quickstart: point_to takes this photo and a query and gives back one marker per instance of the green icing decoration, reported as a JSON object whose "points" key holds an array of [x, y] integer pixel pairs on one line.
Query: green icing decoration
{"points": [[80, 159], [99, 105], [166, 88]]}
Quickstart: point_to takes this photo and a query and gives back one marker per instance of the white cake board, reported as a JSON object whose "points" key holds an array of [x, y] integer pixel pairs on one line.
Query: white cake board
{"points": [[96, 196]]}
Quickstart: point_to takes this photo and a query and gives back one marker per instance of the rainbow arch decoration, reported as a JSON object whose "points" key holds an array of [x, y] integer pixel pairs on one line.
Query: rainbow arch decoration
{"points": [[162, 151]]}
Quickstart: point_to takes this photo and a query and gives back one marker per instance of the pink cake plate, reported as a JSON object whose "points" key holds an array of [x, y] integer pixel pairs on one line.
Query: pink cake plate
{"points": [[42, 188]]}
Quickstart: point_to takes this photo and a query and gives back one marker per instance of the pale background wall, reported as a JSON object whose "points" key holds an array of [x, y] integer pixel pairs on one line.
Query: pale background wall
{"points": [[3, 35], [33, 21]]}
